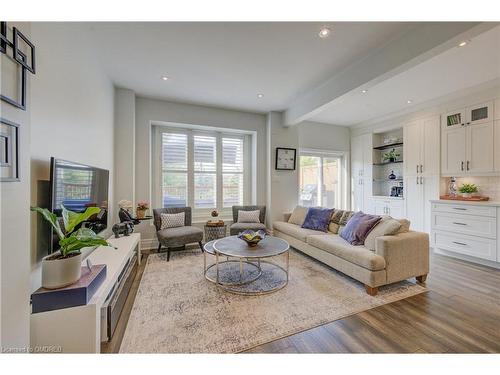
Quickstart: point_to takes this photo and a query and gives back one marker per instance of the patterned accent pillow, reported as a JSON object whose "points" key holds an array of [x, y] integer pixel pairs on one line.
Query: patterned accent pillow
{"points": [[317, 218], [339, 220], [248, 216], [172, 220], [358, 227]]}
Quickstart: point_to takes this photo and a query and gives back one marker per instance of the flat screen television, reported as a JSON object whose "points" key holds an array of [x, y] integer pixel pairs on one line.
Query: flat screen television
{"points": [[78, 186]]}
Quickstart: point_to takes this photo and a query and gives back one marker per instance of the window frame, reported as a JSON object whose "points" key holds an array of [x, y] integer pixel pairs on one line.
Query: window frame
{"points": [[201, 214], [344, 168]]}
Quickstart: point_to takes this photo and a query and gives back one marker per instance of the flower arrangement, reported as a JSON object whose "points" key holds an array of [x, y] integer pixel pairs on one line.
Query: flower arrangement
{"points": [[391, 155], [143, 205]]}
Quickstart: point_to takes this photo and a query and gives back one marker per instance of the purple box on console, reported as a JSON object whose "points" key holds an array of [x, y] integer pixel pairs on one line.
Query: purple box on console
{"points": [[76, 294]]}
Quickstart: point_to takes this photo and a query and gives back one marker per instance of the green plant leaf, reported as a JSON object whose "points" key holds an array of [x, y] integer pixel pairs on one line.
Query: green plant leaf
{"points": [[51, 218], [83, 237], [72, 219]]}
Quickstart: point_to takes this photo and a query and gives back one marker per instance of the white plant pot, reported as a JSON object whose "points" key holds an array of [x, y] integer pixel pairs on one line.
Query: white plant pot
{"points": [[466, 195], [58, 273]]}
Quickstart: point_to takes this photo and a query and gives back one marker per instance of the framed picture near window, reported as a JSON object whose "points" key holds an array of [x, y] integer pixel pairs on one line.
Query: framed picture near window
{"points": [[9, 150], [285, 158]]}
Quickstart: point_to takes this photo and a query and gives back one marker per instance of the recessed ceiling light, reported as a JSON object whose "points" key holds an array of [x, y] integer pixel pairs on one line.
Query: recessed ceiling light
{"points": [[324, 32], [408, 102], [165, 78], [461, 44], [364, 91], [260, 95]]}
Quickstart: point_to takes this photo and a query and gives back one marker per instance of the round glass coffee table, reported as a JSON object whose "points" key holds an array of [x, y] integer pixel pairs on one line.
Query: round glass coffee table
{"points": [[246, 270]]}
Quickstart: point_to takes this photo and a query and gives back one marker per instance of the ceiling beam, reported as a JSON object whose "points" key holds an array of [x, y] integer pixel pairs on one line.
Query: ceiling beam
{"points": [[420, 43]]}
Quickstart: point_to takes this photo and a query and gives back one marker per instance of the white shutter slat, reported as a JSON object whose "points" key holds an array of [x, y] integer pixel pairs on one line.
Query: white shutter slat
{"points": [[174, 151], [204, 153], [232, 155]]}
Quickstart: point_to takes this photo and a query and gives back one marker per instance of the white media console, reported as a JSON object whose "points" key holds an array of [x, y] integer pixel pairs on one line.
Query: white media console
{"points": [[78, 329]]}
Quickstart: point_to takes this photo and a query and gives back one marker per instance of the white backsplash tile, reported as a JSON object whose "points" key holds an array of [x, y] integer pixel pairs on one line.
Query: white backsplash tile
{"points": [[488, 186]]}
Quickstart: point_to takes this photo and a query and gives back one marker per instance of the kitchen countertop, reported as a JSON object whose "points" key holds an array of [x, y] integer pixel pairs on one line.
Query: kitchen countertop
{"points": [[483, 203]]}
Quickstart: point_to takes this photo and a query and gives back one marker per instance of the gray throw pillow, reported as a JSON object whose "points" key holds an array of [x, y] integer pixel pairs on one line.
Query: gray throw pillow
{"points": [[386, 227]]}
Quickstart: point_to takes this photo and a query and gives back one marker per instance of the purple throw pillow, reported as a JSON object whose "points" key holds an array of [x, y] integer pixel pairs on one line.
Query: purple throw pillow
{"points": [[358, 227], [318, 218]]}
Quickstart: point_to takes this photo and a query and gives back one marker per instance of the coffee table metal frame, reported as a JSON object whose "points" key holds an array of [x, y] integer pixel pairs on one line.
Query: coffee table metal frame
{"points": [[254, 260]]}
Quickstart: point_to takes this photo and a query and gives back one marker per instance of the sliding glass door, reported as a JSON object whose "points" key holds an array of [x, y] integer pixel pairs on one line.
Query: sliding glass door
{"points": [[320, 180]]}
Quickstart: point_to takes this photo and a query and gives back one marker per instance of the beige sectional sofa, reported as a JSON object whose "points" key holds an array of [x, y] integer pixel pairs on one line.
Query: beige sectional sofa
{"points": [[395, 258]]}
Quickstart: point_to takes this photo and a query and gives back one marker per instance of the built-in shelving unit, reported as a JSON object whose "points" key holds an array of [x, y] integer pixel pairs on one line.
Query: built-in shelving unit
{"points": [[384, 143]]}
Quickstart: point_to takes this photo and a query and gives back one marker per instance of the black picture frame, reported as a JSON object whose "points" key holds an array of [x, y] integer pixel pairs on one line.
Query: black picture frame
{"points": [[10, 158], [21, 101], [3, 37], [18, 55], [279, 168]]}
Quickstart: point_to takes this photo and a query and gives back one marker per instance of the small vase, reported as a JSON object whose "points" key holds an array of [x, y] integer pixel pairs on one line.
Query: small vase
{"points": [[58, 273], [140, 213], [466, 195]]}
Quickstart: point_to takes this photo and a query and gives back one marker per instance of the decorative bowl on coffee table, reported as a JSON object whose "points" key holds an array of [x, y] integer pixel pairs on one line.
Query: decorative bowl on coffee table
{"points": [[251, 237]]}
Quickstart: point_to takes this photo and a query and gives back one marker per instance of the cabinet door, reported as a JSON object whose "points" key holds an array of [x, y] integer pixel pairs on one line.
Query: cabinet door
{"points": [[396, 211], [480, 113], [431, 146], [480, 148], [356, 157], [412, 135], [367, 144], [430, 187], [357, 194], [414, 203], [496, 143], [453, 119], [453, 153], [380, 207]]}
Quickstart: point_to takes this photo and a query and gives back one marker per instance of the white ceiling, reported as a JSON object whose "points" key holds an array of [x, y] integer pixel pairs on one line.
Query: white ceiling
{"points": [[228, 64], [450, 71]]}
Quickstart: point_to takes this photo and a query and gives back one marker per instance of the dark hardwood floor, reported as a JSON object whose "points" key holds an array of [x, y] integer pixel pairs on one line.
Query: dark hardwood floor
{"points": [[459, 314]]}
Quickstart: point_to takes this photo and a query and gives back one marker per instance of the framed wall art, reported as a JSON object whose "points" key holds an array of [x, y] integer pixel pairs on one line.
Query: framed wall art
{"points": [[9, 151], [285, 158]]}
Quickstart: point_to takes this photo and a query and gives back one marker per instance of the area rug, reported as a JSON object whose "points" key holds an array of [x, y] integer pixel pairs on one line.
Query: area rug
{"points": [[177, 310]]}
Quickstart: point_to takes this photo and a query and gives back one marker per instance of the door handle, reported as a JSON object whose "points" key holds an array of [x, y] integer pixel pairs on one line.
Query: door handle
{"points": [[417, 180], [421, 180], [468, 165], [421, 168], [462, 166], [417, 168]]}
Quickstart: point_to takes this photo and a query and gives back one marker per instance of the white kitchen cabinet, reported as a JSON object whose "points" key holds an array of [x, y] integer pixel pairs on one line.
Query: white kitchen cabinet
{"points": [[361, 171], [480, 141], [479, 113], [496, 142], [392, 207], [453, 152]]}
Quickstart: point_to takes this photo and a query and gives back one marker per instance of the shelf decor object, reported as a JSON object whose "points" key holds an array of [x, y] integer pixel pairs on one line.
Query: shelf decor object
{"points": [[285, 158], [9, 151], [25, 62], [474, 198]]}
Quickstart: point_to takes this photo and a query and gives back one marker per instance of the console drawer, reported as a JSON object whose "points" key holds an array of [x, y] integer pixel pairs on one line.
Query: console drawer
{"points": [[465, 209], [478, 247], [465, 224]]}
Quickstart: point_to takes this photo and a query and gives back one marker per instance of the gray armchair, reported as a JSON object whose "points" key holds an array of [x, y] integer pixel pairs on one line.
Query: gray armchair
{"points": [[236, 227], [174, 238]]}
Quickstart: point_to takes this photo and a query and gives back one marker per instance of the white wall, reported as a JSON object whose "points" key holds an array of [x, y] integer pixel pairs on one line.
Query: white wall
{"points": [[72, 111], [315, 135], [14, 232], [151, 110]]}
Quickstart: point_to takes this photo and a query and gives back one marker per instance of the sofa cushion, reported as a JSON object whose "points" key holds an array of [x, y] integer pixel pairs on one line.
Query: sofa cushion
{"points": [[318, 218], [180, 236], [405, 225], [295, 230], [298, 215], [358, 227], [386, 227], [337, 246], [236, 228]]}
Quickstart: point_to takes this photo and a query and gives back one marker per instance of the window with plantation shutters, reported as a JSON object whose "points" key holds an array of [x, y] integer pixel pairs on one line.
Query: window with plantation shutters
{"points": [[200, 169], [174, 152], [232, 171]]}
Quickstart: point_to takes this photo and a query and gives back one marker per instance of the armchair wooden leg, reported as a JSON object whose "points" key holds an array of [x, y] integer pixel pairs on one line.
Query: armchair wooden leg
{"points": [[168, 254], [159, 248], [201, 246], [372, 291], [421, 279]]}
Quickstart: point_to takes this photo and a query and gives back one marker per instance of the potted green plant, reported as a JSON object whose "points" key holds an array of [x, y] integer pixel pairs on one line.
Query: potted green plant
{"points": [[391, 156], [467, 190], [64, 267]]}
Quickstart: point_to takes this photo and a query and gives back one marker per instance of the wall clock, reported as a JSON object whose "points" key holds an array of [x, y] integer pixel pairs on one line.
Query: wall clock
{"points": [[285, 158]]}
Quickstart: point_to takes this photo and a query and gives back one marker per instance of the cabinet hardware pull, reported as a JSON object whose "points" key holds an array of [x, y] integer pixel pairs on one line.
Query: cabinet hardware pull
{"points": [[417, 168], [467, 165], [460, 208], [462, 166], [459, 223], [460, 243], [417, 180], [421, 168], [421, 180], [468, 123]]}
